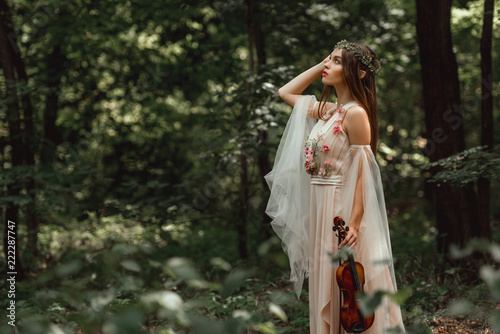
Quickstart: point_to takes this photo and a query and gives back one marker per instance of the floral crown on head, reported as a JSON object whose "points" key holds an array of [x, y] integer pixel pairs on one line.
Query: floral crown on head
{"points": [[365, 59]]}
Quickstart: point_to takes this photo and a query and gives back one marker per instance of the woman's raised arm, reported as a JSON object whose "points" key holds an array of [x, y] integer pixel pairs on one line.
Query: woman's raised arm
{"points": [[293, 89]]}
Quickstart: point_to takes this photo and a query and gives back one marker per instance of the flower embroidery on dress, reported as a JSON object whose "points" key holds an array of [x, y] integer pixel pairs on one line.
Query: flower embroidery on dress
{"points": [[336, 129], [311, 150], [341, 111], [310, 153]]}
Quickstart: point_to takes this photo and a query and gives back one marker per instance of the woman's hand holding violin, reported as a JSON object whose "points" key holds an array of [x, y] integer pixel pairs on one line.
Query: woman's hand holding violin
{"points": [[351, 238]]}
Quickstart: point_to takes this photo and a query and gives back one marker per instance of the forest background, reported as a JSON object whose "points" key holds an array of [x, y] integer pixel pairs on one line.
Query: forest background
{"points": [[135, 136]]}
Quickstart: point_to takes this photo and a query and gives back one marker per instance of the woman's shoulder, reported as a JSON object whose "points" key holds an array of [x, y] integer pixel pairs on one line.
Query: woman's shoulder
{"points": [[356, 111], [357, 125]]}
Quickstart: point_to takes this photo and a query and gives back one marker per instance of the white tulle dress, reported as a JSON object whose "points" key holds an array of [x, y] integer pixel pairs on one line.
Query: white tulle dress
{"points": [[313, 180]]}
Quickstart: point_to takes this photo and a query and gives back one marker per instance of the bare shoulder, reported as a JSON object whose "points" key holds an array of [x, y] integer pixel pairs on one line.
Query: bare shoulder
{"points": [[357, 126], [357, 113]]}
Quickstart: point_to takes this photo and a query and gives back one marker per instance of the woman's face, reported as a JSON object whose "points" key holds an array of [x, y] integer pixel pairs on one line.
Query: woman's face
{"points": [[332, 74]]}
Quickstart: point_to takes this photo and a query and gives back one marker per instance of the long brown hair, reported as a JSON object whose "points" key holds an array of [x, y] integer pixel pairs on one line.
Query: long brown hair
{"points": [[363, 89]]}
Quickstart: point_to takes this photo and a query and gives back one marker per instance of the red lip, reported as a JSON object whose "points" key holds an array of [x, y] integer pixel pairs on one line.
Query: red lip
{"points": [[324, 73]]}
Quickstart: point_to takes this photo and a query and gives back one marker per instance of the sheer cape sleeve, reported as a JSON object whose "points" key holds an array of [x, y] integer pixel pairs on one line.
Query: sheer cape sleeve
{"points": [[375, 242], [289, 202]]}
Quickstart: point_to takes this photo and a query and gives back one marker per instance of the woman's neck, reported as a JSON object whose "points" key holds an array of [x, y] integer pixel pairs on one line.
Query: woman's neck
{"points": [[344, 95]]}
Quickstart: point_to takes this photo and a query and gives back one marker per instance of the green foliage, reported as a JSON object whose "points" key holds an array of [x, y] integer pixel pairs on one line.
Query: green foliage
{"points": [[127, 288], [467, 166]]}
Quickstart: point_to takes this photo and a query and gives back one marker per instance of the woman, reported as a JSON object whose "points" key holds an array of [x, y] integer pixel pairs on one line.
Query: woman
{"points": [[344, 180]]}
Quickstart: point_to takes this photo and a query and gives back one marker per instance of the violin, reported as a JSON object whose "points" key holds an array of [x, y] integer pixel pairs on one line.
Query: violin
{"points": [[350, 279]]}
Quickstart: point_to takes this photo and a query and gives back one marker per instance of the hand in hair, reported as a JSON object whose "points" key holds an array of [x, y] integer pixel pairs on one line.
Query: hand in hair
{"points": [[293, 89]]}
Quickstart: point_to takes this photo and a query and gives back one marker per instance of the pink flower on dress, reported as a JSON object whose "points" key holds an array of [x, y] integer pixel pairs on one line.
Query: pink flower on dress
{"points": [[320, 136], [328, 163], [309, 156], [336, 129], [338, 120], [325, 148], [341, 111], [321, 172]]}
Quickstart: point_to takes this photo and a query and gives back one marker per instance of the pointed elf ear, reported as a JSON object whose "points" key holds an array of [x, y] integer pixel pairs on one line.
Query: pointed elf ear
{"points": [[362, 74]]}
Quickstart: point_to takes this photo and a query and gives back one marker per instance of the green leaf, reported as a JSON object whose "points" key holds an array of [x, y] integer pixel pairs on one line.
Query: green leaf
{"points": [[101, 300], [266, 328], [127, 322], [167, 299], [243, 314], [124, 249], [67, 269], [183, 268], [278, 311], [54, 329], [234, 280], [205, 326], [265, 247], [280, 297], [131, 265], [342, 254], [368, 304], [401, 296], [458, 253], [495, 252], [492, 279], [461, 307], [220, 263], [170, 300]]}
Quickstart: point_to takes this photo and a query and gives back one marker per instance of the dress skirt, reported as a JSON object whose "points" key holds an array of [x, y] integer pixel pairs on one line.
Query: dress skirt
{"points": [[324, 300], [324, 295]]}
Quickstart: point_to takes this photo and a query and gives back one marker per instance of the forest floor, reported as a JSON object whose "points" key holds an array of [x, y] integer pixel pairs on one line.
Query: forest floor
{"points": [[476, 323], [445, 325]]}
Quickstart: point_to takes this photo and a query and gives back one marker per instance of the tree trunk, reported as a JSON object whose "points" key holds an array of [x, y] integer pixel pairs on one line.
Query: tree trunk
{"points": [[262, 149], [243, 210], [483, 187], [14, 127], [264, 168], [242, 226], [29, 149], [29, 139], [251, 37], [50, 138], [443, 118]]}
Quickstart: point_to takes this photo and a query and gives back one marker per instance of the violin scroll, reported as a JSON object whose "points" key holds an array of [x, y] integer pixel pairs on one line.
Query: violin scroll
{"points": [[338, 225]]}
